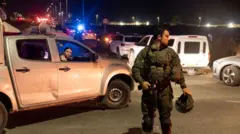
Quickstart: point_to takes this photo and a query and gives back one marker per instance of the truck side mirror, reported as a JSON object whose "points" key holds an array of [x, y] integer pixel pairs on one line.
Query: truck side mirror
{"points": [[95, 57]]}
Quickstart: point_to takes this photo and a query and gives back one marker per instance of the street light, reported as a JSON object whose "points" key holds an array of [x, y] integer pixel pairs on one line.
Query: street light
{"points": [[137, 23], [121, 23], [199, 21], [208, 25], [96, 19], [230, 25], [147, 23], [158, 19]]}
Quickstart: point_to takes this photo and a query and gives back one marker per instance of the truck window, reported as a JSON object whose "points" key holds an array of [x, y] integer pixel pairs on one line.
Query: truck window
{"points": [[179, 48], [170, 42], [191, 47], [118, 38], [144, 42], [204, 47], [132, 39], [33, 49], [79, 53]]}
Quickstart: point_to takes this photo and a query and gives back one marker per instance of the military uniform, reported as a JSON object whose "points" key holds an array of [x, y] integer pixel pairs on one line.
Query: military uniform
{"points": [[158, 67]]}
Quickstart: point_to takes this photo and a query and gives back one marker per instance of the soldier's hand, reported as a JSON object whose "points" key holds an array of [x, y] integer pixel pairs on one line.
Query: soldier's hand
{"points": [[145, 85], [187, 91]]}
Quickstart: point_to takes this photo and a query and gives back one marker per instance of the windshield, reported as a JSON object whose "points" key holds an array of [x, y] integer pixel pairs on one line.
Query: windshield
{"points": [[132, 39]]}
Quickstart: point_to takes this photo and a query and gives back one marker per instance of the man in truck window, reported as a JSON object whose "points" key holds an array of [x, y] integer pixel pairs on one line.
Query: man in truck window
{"points": [[66, 54]]}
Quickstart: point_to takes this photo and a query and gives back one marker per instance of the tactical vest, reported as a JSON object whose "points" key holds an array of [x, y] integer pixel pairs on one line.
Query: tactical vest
{"points": [[160, 68]]}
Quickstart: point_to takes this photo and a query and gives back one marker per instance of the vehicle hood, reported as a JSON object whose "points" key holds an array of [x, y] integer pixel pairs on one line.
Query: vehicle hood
{"points": [[231, 58]]}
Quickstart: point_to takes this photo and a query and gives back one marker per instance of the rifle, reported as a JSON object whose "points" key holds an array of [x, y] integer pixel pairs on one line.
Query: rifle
{"points": [[146, 68]]}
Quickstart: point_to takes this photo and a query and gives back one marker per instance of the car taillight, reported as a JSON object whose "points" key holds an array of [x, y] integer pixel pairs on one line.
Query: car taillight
{"points": [[107, 39]]}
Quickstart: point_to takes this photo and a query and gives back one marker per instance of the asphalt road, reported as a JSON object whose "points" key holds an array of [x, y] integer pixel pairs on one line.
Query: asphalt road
{"points": [[216, 112]]}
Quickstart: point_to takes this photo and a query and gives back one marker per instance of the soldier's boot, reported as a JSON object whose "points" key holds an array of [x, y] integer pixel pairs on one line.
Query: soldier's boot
{"points": [[166, 130], [143, 132], [147, 124], [166, 126]]}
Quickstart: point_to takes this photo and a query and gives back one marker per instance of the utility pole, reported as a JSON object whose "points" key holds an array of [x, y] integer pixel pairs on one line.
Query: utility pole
{"points": [[158, 20], [55, 10], [60, 12], [83, 10], [60, 6], [96, 19], [66, 9], [199, 21]]}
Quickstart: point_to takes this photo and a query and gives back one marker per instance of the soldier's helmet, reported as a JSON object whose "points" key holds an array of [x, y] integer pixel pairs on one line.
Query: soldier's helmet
{"points": [[184, 103]]}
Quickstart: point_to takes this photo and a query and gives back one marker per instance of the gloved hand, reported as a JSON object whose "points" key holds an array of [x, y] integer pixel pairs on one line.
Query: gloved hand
{"points": [[187, 91], [145, 85]]}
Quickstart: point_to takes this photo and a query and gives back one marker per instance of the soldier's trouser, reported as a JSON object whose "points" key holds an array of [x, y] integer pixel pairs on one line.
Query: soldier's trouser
{"points": [[162, 102]]}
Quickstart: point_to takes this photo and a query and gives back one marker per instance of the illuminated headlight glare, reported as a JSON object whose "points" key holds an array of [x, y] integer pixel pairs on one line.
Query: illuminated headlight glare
{"points": [[80, 27]]}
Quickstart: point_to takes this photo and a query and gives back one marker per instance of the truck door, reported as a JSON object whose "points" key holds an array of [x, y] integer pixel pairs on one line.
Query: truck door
{"points": [[34, 74]]}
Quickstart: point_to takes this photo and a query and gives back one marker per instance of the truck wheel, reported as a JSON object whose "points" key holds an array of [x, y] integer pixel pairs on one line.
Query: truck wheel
{"points": [[3, 117], [231, 76], [117, 95]]}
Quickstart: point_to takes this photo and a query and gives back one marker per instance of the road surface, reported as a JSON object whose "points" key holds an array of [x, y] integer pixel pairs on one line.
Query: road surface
{"points": [[216, 112]]}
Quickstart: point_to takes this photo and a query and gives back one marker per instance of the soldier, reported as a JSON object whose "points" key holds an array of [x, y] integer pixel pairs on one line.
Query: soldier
{"points": [[154, 69]]}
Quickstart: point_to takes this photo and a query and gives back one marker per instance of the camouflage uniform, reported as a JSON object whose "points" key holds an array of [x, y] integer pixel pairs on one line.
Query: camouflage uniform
{"points": [[163, 66]]}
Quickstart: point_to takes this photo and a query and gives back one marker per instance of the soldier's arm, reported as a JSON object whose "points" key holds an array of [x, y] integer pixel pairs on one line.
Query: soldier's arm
{"points": [[177, 67], [138, 65]]}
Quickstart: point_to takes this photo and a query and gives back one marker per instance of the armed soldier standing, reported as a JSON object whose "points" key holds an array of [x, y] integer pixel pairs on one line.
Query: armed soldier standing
{"points": [[154, 69]]}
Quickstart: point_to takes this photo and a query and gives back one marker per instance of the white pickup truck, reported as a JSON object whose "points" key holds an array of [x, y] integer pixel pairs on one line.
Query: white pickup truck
{"points": [[33, 76], [193, 50]]}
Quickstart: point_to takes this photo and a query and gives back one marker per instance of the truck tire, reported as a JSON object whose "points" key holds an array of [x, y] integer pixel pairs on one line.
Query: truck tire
{"points": [[118, 95], [3, 117], [231, 76]]}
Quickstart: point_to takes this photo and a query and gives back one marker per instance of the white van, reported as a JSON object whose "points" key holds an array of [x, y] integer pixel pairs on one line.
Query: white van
{"points": [[193, 50]]}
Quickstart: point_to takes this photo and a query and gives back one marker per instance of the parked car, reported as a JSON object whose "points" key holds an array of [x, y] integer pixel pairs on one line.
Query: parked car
{"points": [[33, 76], [193, 50], [227, 70], [88, 35], [121, 44]]}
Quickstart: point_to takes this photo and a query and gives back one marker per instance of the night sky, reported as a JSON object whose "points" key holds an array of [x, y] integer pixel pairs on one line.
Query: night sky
{"points": [[214, 11]]}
